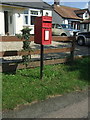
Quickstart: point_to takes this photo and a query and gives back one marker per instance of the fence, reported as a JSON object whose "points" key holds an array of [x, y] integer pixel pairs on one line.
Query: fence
{"points": [[12, 66]]}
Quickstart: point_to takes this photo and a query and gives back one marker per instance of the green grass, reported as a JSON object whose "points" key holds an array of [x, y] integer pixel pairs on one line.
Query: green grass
{"points": [[25, 86]]}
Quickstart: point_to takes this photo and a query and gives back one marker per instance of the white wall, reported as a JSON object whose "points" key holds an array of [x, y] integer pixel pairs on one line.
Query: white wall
{"points": [[1, 21], [18, 21], [65, 21], [47, 11], [85, 15]]}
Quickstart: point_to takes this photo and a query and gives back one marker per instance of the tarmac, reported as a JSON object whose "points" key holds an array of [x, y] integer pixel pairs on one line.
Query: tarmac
{"points": [[71, 105]]}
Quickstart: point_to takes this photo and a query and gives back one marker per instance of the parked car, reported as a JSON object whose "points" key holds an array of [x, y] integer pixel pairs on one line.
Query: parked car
{"points": [[63, 30], [71, 29], [83, 38], [59, 31]]}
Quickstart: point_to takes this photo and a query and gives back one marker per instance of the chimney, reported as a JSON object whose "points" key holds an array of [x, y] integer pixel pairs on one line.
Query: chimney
{"points": [[56, 2]]}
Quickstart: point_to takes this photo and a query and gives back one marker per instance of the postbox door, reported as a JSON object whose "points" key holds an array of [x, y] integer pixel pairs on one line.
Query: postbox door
{"points": [[46, 36]]}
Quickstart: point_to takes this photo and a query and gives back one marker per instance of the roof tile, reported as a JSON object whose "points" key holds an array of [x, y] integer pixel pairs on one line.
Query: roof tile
{"points": [[66, 12]]}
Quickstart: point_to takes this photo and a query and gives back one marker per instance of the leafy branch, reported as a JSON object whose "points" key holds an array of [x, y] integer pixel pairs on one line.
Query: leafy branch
{"points": [[26, 44]]}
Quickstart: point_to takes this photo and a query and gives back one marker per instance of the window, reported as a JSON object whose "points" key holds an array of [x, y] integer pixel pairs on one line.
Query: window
{"points": [[34, 12], [53, 25], [85, 26], [26, 14], [63, 25], [30, 15], [33, 20], [26, 19], [33, 15], [10, 19], [58, 26]]}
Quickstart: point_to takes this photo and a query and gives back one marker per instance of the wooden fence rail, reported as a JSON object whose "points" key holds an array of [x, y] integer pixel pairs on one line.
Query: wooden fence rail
{"points": [[15, 39], [20, 53], [14, 66]]}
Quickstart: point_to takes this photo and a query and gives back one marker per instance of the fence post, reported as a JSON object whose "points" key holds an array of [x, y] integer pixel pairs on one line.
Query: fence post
{"points": [[73, 48]]}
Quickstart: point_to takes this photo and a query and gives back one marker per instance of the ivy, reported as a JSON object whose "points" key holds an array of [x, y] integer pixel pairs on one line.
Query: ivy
{"points": [[26, 44]]}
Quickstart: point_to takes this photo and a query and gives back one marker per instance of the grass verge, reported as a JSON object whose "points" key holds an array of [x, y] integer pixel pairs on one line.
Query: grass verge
{"points": [[25, 86]]}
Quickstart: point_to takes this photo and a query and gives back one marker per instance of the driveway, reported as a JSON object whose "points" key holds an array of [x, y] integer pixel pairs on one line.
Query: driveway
{"points": [[82, 50], [72, 105], [79, 50]]}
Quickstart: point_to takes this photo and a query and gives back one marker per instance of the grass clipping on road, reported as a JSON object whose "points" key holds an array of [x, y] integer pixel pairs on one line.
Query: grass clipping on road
{"points": [[25, 86]]}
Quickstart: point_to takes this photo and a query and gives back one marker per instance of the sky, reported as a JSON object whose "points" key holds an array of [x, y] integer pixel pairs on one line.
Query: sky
{"points": [[72, 3]]}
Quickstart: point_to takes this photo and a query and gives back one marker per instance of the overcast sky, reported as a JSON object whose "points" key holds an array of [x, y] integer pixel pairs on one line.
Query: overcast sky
{"points": [[75, 3]]}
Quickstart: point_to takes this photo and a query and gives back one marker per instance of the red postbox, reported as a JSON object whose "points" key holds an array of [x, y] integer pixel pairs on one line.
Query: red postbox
{"points": [[43, 30]]}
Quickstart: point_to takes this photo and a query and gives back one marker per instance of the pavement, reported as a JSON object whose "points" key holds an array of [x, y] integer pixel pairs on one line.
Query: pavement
{"points": [[71, 105]]}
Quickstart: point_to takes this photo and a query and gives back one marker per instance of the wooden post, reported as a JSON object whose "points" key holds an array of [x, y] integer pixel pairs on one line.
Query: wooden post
{"points": [[73, 49]]}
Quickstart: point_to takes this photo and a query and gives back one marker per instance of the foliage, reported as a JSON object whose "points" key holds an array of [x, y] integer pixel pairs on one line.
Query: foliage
{"points": [[26, 44]]}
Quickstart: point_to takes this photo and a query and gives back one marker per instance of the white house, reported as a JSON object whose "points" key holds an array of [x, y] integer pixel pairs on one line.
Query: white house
{"points": [[85, 15], [16, 15], [65, 15]]}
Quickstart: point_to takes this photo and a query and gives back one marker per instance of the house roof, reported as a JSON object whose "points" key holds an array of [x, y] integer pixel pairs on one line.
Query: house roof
{"points": [[66, 12], [85, 21], [81, 11], [27, 3]]}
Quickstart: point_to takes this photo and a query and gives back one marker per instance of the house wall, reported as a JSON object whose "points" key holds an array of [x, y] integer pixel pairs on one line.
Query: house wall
{"points": [[1, 21], [66, 21], [57, 18], [83, 28], [49, 12], [18, 21], [86, 15]]}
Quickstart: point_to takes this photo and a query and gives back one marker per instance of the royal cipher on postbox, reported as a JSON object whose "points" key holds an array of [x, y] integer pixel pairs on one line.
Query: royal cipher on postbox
{"points": [[43, 30]]}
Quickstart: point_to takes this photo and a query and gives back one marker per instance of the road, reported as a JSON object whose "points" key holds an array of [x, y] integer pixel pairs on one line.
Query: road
{"points": [[72, 105]]}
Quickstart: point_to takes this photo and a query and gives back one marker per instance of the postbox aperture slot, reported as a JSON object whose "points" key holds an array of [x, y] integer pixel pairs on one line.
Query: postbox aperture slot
{"points": [[47, 22]]}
